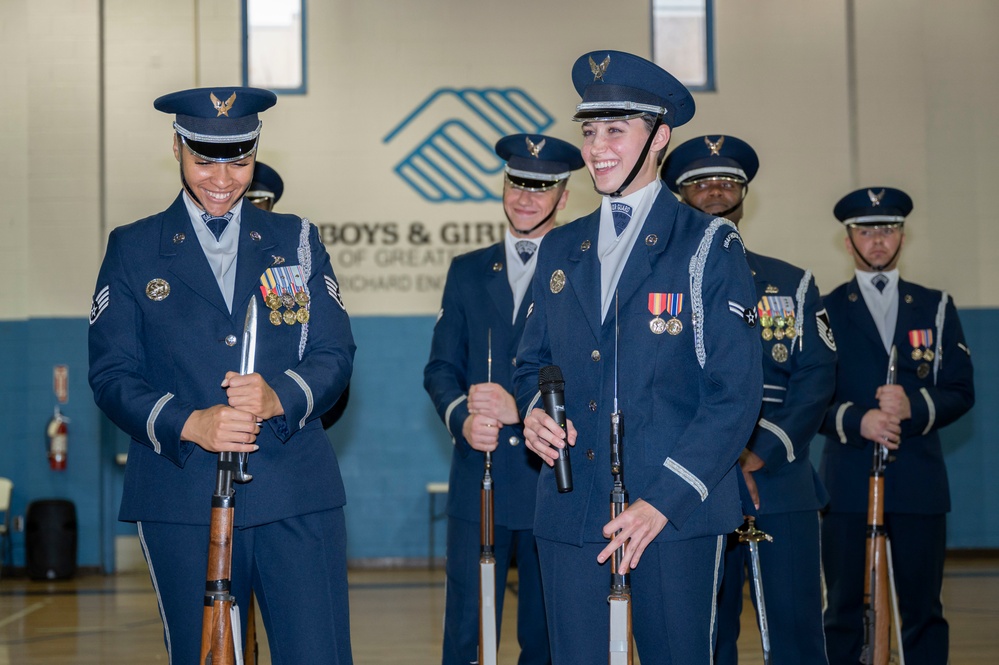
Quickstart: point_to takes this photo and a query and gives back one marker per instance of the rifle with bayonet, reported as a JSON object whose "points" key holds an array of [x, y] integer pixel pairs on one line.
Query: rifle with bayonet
{"points": [[879, 601], [487, 554], [221, 642], [620, 650]]}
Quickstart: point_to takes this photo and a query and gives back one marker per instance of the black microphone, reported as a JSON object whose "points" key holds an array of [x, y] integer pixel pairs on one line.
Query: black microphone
{"points": [[552, 388]]}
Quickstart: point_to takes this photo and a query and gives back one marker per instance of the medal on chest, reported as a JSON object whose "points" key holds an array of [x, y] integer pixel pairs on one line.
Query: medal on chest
{"points": [[922, 344], [671, 303]]}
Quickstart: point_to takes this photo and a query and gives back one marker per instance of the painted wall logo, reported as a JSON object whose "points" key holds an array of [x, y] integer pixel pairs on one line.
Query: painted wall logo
{"points": [[453, 133]]}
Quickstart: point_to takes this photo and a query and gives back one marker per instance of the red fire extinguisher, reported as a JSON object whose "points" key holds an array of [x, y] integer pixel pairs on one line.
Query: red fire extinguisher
{"points": [[58, 435]]}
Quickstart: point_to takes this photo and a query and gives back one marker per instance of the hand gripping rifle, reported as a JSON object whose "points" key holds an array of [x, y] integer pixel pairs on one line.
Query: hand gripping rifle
{"points": [[487, 555], [878, 583], [752, 536], [221, 643], [620, 651]]}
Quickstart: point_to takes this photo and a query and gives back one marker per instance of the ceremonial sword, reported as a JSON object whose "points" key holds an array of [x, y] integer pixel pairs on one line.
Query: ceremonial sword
{"points": [[752, 536], [487, 556]]}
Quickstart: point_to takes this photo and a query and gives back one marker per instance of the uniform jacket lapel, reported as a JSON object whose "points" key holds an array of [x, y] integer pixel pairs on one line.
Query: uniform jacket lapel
{"points": [[907, 318], [521, 320], [762, 280], [860, 316], [255, 256], [652, 240], [582, 273], [497, 283], [186, 259]]}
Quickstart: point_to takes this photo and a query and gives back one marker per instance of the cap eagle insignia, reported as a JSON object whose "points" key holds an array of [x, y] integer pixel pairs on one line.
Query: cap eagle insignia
{"points": [[599, 70], [716, 146], [222, 107], [875, 198], [535, 148]]}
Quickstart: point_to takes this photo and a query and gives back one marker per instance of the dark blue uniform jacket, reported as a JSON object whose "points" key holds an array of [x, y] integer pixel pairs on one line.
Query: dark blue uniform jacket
{"points": [[689, 401], [153, 362], [798, 380], [477, 299], [941, 392]]}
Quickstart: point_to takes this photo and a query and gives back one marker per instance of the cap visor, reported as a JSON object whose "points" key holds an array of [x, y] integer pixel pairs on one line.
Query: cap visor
{"points": [[222, 152], [531, 185]]}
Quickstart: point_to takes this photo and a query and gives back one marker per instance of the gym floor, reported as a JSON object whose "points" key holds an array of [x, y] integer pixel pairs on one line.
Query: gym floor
{"points": [[112, 620]]}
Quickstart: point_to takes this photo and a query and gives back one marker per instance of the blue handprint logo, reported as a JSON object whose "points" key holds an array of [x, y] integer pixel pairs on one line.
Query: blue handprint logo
{"points": [[454, 131]]}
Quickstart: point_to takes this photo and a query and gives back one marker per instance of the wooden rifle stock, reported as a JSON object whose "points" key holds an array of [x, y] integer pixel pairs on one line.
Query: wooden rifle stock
{"points": [[216, 628], [877, 591], [877, 614]]}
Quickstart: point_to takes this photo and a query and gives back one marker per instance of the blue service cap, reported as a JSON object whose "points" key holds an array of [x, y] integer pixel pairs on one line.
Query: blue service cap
{"points": [[710, 157], [874, 206], [535, 162], [618, 86], [218, 124], [266, 183]]}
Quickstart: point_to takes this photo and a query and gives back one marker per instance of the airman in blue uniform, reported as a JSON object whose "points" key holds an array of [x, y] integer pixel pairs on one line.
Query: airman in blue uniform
{"points": [[712, 174], [869, 314], [649, 305], [165, 350], [469, 379], [266, 187]]}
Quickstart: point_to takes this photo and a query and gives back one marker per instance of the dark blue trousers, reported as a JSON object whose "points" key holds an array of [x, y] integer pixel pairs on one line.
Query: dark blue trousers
{"points": [[461, 614], [296, 567], [673, 601], [792, 591], [918, 544]]}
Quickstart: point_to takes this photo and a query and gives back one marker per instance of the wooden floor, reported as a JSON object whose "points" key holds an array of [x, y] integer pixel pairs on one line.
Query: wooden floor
{"points": [[395, 618]]}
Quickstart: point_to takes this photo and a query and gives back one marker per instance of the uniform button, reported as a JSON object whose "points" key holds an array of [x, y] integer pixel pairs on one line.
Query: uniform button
{"points": [[514, 362], [514, 441], [593, 405], [595, 355], [230, 340], [589, 454]]}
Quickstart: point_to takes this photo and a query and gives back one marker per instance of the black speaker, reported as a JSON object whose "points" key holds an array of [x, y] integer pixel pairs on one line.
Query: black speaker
{"points": [[50, 539]]}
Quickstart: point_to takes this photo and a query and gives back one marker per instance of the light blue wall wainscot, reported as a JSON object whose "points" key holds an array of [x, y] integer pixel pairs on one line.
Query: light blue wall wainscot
{"points": [[390, 442]]}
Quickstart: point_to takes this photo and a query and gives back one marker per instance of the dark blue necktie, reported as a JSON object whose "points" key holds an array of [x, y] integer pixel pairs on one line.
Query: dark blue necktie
{"points": [[526, 250], [216, 224], [880, 281], [621, 212]]}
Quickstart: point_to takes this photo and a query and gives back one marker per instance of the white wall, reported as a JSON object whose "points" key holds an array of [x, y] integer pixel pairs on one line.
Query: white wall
{"points": [[50, 156], [927, 102]]}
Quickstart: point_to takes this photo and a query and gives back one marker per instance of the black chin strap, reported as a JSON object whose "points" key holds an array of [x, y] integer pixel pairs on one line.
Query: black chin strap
{"points": [[539, 224], [190, 192], [638, 164], [726, 213], [187, 188], [878, 268], [533, 228]]}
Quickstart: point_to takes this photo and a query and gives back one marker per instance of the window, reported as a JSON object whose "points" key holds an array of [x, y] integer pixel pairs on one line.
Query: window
{"points": [[683, 41], [274, 45]]}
